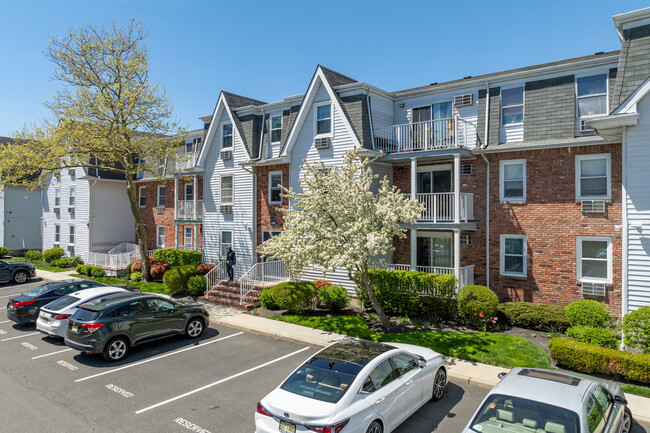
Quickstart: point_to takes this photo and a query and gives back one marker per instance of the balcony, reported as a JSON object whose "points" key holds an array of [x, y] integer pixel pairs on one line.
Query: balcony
{"points": [[439, 207], [188, 163], [185, 210], [449, 133]]}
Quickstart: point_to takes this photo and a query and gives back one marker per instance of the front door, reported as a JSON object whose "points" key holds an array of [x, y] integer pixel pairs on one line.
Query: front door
{"points": [[434, 250]]}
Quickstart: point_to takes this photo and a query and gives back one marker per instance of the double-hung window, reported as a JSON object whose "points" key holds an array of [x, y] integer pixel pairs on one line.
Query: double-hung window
{"points": [[324, 119], [142, 196], [591, 95], [226, 190], [275, 190], [160, 236], [187, 237], [73, 174], [512, 106], [57, 235], [512, 180], [513, 255], [226, 137], [160, 202], [276, 128], [189, 191], [71, 240], [226, 241], [71, 198], [593, 176], [57, 196], [594, 259]]}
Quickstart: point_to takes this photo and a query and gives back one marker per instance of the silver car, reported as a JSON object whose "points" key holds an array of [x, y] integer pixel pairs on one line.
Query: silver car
{"points": [[531, 400]]}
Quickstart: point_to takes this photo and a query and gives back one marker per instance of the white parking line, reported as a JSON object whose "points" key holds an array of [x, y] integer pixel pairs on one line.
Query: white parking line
{"points": [[156, 358], [6, 321], [3, 308], [20, 336], [9, 296], [220, 381], [53, 353]]}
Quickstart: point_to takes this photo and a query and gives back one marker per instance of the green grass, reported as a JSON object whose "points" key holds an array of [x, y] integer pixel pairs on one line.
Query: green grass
{"points": [[493, 349], [643, 391], [38, 265], [145, 287]]}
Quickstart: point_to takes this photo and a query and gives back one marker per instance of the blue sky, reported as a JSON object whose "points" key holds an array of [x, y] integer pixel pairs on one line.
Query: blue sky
{"points": [[269, 49]]}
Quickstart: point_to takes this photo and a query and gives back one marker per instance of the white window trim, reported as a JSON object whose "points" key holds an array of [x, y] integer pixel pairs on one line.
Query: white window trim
{"points": [[320, 104], [575, 92], [57, 195], [191, 187], [142, 193], [221, 202], [72, 196], [158, 245], [190, 237], [579, 240], [271, 173], [158, 196], [502, 165], [523, 106], [271, 129], [72, 233], [232, 135], [502, 255], [608, 167], [57, 241], [232, 240]]}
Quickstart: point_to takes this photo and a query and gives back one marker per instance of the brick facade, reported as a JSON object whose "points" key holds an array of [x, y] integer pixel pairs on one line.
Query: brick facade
{"points": [[267, 212]]}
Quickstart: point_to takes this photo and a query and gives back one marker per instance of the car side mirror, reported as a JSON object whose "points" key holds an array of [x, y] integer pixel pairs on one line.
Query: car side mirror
{"points": [[422, 363], [502, 375], [621, 400]]}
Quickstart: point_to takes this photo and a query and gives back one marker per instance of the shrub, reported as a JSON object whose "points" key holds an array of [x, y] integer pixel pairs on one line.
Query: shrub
{"points": [[293, 296], [177, 258], [636, 329], [135, 276], [204, 268], [80, 269], [602, 337], [158, 269], [97, 272], [477, 305], [588, 358], [320, 283], [176, 278], [532, 315], [128, 268], [76, 261], [34, 255], [587, 312], [4, 251], [196, 285], [335, 298], [53, 254], [408, 293], [63, 262]]}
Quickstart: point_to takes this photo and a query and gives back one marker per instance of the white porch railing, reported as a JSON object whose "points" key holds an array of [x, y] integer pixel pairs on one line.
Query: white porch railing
{"points": [[219, 273], [439, 206], [185, 210], [466, 272], [112, 261], [261, 274], [429, 135]]}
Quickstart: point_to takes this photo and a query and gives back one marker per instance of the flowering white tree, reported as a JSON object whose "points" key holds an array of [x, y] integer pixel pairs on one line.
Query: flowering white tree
{"points": [[338, 222]]}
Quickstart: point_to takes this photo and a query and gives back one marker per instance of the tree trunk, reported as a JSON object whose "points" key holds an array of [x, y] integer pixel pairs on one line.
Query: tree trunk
{"points": [[140, 231], [365, 280]]}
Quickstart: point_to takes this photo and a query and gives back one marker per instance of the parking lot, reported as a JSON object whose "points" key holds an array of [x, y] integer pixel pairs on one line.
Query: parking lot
{"points": [[210, 384]]}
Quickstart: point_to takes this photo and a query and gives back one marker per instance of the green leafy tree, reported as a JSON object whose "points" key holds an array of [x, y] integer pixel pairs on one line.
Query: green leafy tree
{"points": [[338, 222], [106, 116]]}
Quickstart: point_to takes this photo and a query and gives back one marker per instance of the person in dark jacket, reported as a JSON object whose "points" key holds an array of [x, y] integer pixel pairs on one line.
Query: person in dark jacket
{"points": [[231, 261]]}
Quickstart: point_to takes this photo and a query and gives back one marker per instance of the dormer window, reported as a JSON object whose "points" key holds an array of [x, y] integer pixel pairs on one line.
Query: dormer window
{"points": [[591, 93], [226, 139], [276, 128], [189, 147], [324, 119]]}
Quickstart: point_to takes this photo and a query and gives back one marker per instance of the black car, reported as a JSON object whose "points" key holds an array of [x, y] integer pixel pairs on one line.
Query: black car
{"points": [[25, 307], [18, 272], [115, 323]]}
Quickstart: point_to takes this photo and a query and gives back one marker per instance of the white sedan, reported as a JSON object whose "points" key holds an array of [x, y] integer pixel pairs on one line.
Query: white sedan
{"points": [[52, 319], [354, 386]]}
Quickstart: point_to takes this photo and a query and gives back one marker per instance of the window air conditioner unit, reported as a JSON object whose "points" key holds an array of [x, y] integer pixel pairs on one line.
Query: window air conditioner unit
{"points": [[225, 208], [161, 210], [57, 210], [71, 210], [56, 244], [593, 289], [463, 100], [226, 154], [322, 143], [595, 206], [585, 126]]}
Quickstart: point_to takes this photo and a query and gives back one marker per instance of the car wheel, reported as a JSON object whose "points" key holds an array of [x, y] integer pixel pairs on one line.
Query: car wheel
{"points": [[375, 427], [627, 421], [194, 327], [20, 277], [439, 384], [116, 349]]}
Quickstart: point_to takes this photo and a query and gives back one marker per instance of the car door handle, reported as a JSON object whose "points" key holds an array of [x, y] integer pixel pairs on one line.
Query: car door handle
{"points": [[380, 400], [410, 381]]}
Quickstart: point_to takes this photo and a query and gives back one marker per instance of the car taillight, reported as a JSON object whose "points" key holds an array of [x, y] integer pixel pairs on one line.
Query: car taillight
{"points": [[59, 316], [23, 303], [92, 327], [332, 428], [262, 410]]}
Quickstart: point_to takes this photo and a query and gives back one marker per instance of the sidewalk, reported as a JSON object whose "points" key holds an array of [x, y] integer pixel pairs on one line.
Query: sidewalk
{"points": [[55, 276]]}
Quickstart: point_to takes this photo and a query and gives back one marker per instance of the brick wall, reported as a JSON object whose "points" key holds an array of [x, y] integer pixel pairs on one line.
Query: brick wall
{"points": [[267, 212]]}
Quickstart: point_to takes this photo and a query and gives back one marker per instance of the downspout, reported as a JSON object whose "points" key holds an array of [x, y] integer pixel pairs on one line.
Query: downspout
{"points": [[90, 219], [487, 185], [624, 294], [372, 126]]}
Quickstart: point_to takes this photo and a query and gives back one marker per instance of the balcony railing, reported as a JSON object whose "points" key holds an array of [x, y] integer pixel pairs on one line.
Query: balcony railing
{"points": [[429, 135], [189, 162], [439, 206], [185, 210], [466, 272]]}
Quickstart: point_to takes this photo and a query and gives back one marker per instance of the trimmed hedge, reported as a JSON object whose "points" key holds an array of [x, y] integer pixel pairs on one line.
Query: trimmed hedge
{"points": [[293, 296], [602, 337], [177, 258], [587, 312], [588, 358], [477, 305], [334, 297], [531, 315], [411, 294], [53, 254], [196, 285], [176, 278], [63, 262], [4, 251], [636, 329]]}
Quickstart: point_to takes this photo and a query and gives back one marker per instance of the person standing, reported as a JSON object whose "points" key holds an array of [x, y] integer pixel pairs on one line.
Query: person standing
{"points": [[231, 261]]}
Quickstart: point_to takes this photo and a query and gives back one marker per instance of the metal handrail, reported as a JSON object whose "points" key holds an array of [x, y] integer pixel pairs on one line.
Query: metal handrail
{"points": [[261, 274], [215, 276]]}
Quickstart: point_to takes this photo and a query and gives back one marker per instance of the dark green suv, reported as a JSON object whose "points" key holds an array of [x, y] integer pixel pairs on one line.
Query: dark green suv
{"points": [[113, 324]]}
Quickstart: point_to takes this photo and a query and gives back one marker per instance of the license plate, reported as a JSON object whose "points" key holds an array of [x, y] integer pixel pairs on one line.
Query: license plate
{"points": [[75, 328], [45, 319], [287, 427]]}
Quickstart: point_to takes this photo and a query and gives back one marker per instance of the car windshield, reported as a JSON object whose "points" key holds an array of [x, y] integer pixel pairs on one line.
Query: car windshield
{"points": [[40, 290], [504, 413], [322, 379], [61, 303]]}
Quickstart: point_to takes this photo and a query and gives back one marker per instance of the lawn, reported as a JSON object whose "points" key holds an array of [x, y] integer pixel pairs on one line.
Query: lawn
{"points": [[643, 391], [487, 348], [38, 266], [145, 287]]}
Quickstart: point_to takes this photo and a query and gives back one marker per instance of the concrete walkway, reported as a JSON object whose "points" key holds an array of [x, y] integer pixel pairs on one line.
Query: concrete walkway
{"points": [[472, 373]]}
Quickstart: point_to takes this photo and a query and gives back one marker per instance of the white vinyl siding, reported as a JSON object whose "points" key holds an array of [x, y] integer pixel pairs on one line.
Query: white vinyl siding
{"points": [[512, 180], [20, 226], [112, 218], [512, 115], [594, 259], [593, 177], [513, 253], [142, 196]]}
